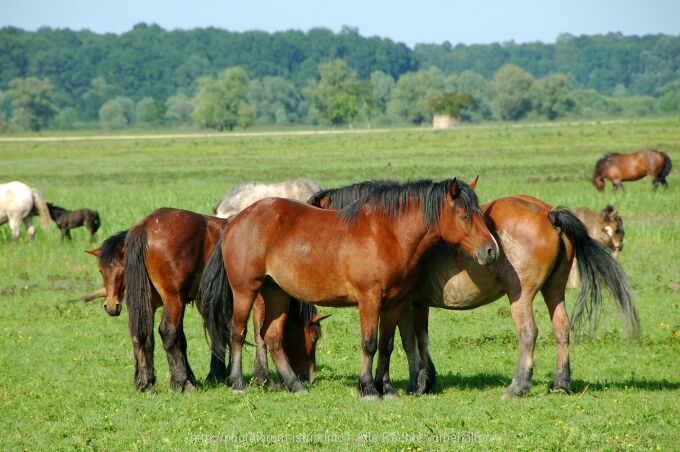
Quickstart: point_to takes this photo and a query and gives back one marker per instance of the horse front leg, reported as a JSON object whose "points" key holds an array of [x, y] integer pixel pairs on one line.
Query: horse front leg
{"points": [[388, 323], [527, 332], [369, 313], [171, 330]]}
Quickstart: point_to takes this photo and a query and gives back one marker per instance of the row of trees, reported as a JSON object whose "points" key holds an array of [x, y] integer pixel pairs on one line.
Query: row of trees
{"points": [[337, 97], [217, 79]]}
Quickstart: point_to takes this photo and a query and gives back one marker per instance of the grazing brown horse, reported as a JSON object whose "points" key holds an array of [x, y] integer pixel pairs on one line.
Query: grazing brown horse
{"points": [[605, 226], [158, 263], [367, 255], [619, 167], [69, 219], [537, 245]]}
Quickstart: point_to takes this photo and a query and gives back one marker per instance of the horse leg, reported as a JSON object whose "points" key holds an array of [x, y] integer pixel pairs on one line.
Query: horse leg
{"points": [[142, 346], [243, 304], [553, 295], [276, 302], [525, 325], [67, 233], [260, 367], [171, 330], [369, 314], [427, 374], [388, 323], [408, 342], [15, 227]]}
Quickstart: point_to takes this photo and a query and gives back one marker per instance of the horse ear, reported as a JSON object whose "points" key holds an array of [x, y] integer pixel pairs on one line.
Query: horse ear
{"points": [[319, 317], [454, 189], [473, 182], [96, 252]]}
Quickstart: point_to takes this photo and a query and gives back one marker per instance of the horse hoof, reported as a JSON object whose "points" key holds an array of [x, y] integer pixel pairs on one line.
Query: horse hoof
{"points": [[370, 397], [390, 395], [188, 387]]}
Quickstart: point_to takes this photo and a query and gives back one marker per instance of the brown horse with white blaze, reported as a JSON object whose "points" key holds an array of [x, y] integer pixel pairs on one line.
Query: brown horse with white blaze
{"points": [[367, 255], [619, 167]]}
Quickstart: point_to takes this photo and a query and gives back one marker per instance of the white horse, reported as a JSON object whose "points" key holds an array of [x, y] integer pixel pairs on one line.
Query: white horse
{"points": [[244, 195], [19, 202]]}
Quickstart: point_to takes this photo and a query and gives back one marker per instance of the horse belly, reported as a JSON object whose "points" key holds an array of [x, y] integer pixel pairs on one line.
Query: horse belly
{"points": [[462, 292]]}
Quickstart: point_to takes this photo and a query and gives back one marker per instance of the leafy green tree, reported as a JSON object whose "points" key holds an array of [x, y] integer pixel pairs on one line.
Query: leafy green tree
{"points": [[550, 96], [32, 101], [377, 92], [511, 86], [94, 97], [150, 112], [669, 102], [117, 113], [413, 93], [478, 87], [222, 103], [178, 109], [276, 100], [452, 103], [336, 94]]}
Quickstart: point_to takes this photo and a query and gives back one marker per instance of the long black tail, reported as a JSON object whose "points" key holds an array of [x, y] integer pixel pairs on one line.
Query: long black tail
{"points": [[138, 285], [215, 301], [667, 165], [596, 268]]}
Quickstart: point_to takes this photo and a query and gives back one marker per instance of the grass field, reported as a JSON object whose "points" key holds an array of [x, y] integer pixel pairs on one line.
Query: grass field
{"points": [[66, 367]]}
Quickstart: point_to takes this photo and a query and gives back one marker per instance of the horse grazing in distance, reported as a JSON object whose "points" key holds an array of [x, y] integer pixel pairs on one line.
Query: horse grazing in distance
{"points": [[244, 195], [629, 167], [19, 203], [367, 255], [158, 263], [605, 226], [537, 244], [69, 219]]}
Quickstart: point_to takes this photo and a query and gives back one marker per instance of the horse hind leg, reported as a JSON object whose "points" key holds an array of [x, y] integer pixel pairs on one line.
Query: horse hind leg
{"points": [[260, 367], [554, 299], [527, 332], [171, 331]]}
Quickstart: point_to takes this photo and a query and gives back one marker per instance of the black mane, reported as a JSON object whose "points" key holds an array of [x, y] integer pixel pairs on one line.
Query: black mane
{"points": [[393, 197], [109, 249]]}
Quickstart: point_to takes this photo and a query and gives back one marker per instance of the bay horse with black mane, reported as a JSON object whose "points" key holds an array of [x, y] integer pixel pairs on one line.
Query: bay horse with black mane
{"points": [[537, 245], [629, 167], [158, 263], [367, 255], [70, 219]]}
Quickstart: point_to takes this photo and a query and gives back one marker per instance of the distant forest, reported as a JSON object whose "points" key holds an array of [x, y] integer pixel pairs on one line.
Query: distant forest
{"points": [[151, 77]]}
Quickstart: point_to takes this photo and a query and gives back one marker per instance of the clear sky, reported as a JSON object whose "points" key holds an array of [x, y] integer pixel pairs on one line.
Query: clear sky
{"points": [[410, 22]]}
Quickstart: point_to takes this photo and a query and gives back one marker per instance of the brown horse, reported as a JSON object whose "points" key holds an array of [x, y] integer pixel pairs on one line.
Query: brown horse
{"points": [[537, 245], [158, 263], [367, 255], [619, 167], [69, 219], [605, 226]]}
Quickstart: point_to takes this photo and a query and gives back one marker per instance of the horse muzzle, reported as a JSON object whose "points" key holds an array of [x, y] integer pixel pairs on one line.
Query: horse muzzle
{"points": [[488, 253], [113, 311]]}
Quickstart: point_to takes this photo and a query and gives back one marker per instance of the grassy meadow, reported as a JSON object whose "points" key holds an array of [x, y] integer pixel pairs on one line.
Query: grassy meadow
{"points": [[66, 368]]}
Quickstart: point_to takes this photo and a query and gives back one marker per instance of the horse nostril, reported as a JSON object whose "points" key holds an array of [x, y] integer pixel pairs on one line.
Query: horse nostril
{"points": [[491, 253]]}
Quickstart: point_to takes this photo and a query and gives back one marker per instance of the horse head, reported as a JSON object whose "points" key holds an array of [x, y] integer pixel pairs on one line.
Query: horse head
{"points": [[612, 226], [462, 223], [111, 267], [303, 331]]}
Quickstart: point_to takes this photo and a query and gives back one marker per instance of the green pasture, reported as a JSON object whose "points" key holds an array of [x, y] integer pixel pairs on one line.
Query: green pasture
{"points": [[66, 367]]}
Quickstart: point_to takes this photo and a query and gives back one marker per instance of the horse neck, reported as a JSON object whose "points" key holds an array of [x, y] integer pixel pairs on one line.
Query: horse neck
{"points": [[414, 236]]}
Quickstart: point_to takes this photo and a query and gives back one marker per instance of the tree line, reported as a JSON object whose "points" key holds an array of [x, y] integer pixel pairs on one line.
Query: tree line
{"points": [[213, 78]]}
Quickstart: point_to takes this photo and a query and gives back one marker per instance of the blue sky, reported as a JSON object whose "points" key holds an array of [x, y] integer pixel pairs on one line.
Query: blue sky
{"points": [[419, 21]]}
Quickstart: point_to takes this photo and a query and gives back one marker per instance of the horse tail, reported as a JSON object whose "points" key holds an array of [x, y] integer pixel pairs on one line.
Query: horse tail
{"points": [[138, 285], [666, 168], [597, 268], [215, 300], [40, 204]]}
